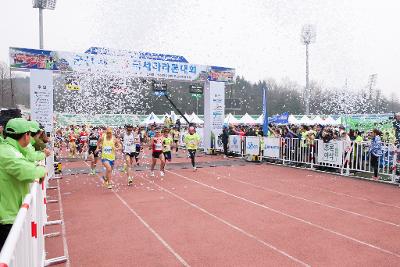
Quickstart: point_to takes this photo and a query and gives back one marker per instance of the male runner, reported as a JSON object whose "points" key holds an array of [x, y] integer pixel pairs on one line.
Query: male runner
{"points": [[156, 145], [108, 145], [129, 150], [167, 142], [93, 153], [192, 141], [176, 135]]}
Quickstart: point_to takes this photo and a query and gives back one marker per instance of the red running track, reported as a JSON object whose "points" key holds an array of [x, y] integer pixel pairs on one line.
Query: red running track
{"points": [[253, 215]]}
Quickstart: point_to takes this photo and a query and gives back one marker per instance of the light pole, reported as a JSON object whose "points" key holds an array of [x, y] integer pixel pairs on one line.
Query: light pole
{"points": [[308, 36], [43, 4]]}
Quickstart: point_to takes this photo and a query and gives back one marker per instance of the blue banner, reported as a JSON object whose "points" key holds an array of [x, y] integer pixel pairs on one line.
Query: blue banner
{"points": [[280, 119], [265, 112]]}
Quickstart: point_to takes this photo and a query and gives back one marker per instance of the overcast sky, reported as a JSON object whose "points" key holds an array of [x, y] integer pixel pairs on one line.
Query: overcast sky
{"points": [[260, 38]]}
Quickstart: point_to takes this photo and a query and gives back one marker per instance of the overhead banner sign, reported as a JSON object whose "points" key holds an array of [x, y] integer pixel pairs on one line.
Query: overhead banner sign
{"points": [[41, 98], [330, 153], [128, 64], [271, 147], [252, 145], [235, 144]]}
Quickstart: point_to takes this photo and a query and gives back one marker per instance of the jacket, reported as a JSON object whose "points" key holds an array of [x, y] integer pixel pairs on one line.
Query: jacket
{"points": [[16, 173], [376, 146]]}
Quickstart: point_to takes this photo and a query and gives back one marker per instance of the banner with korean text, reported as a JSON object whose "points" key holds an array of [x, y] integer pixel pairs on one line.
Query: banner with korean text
{"points": [[330, 153]]}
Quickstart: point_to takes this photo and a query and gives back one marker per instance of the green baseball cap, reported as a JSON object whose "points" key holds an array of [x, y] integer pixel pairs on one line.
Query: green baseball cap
{"points": [[34, 125], [18, 126]]}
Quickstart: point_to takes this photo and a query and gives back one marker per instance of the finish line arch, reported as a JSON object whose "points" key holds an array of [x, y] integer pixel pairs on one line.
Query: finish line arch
{"points": [[42, 64]]}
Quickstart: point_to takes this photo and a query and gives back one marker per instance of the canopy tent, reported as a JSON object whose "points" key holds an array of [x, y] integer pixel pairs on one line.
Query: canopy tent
{"points": [[292, 120], [330, 121], [247, 119], [318, 120], [339, 121], [305, 120], [230, 119], [260, 120], [195, 119], [152, 118]]}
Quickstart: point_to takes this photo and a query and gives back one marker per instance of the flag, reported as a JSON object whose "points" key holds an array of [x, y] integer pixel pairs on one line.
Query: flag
{"points": [[265, 113]]}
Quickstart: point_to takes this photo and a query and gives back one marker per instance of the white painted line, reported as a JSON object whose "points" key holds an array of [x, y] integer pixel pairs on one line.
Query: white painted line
{"points": [[342, 194], [63, 229], [229, 224], [149, 228], [180, 259], [307, 200], [290, 216]]}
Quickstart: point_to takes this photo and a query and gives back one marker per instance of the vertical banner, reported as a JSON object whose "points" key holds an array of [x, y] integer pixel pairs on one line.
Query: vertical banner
{"points": [[252, 145], [235, 144], [265, 112], [41, 97], [214, 113]]}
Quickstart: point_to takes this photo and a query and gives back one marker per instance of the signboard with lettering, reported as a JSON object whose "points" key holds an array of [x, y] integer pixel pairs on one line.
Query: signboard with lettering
{"points": [[330, 153]]}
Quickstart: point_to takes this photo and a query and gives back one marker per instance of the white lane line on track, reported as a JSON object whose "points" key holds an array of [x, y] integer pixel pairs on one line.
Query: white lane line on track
{"points": [[341, 194], [229, 224], [63, 228], [305, 199], [149, 228], [290, 216]]}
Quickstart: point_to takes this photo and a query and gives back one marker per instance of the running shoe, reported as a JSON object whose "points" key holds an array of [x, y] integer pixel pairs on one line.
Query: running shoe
{"points": [[194, 169], [109, 186], [152, 174], [130, 181], [162, 173]]}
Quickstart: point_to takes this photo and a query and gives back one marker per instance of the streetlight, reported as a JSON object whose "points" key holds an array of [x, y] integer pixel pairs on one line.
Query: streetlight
{"points": [[43, 4], [308, 36]]}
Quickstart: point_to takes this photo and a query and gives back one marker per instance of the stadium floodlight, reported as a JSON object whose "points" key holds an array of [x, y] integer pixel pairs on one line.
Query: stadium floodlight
{"points": [[43, 4], [308, 36]]}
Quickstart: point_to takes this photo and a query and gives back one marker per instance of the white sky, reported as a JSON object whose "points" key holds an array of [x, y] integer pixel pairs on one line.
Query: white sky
{"points": [[260, 38]]}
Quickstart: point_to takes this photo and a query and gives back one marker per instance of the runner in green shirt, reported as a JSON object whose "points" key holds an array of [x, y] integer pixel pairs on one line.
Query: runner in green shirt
{"points": [[192, 141]]}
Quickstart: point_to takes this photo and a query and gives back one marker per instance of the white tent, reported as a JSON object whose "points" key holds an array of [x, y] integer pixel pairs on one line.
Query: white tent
{"points": [[339, 121], [260, 120], [305, 120], [292, 120], [230, 119], [195, 119], [247, 119], [318, 120], [152, 118], [330, 121]]}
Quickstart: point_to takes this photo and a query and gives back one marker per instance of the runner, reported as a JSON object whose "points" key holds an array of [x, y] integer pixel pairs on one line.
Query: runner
{"points": [[157, 152], [167, 141], [192, 141], [176, 135], [138, 144], [93, 153], [72, 144], [108, 144], [83, 138], [129, 150]]}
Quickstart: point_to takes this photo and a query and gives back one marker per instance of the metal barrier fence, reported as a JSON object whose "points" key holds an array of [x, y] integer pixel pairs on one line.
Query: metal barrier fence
{"points": [[25, 244], [342, 155]]}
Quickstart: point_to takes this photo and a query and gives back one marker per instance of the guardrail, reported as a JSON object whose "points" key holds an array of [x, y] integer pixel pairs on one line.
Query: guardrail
{"points": [[25, 244], [342, 155]]}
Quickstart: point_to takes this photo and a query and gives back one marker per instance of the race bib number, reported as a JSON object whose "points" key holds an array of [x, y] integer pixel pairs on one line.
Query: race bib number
{"points": [[107, 150], [93, 142]]}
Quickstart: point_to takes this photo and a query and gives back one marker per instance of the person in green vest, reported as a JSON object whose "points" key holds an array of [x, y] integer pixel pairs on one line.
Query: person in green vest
{"points": [[16, 173], [30, 152], [1, 134]]}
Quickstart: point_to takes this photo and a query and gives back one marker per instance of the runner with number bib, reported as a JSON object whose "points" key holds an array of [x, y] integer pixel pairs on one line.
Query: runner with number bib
{"points": [[129, 150], [93, 153], [156, 145], [192, 141], [167, 142], [108, 145]]}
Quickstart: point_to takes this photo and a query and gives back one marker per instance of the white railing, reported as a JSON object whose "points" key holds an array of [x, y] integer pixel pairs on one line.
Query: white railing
{"points": [[25, 244], [344, 156]]}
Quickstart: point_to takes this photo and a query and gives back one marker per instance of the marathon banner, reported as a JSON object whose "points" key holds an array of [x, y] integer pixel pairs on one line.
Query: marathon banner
{"points": [[330, 153], [280, 119], [128, 64]]}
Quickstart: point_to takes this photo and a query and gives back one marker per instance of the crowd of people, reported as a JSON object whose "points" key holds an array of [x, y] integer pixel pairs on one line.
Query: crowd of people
{"points": [[94, 143]]}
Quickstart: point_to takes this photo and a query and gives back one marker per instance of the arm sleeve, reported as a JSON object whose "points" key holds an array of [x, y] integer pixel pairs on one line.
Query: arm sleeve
{"points": [[23, 170]]}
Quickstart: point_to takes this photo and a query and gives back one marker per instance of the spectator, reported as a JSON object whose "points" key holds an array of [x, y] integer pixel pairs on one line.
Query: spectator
{"points": [[375, 151], [225, 139], [16, 173], [396, 126]]}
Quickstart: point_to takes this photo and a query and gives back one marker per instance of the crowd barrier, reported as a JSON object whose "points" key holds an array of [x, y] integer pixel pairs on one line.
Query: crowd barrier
{"points": [[347, 157], [25, 244]]}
